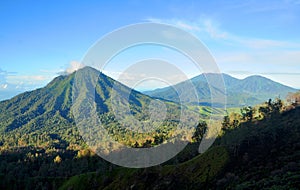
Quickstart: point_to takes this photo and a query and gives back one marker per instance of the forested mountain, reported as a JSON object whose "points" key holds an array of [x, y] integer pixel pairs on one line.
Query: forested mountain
{"points": [[38, 129], [41, 147], [249, 91], [33, 116]]}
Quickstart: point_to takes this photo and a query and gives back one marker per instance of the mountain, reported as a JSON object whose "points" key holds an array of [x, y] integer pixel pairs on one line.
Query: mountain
{"points": [[41, 147], [55, 109], [249, 91], [40, 133], [30, 112]]}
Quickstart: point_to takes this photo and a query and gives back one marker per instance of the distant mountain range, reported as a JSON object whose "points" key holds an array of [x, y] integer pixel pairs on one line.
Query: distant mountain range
{"points": [[30, 111], [249, 91]]}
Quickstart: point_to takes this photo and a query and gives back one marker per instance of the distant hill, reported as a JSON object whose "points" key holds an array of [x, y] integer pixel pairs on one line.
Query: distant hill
{"points": [[249, 91]]}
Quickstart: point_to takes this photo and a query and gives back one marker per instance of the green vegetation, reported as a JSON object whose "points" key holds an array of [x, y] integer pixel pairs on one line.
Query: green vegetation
{"points": [[39, 138], [265, 149], [41, 148], [44, 117], [258, 151]]}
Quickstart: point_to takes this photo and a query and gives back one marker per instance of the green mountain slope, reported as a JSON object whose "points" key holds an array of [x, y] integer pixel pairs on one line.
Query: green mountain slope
{"points": [[249, 91], [263, 154], [45, 115]]}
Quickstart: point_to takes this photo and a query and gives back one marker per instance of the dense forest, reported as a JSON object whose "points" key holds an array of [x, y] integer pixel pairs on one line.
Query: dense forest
{"points": [[258, 149]]}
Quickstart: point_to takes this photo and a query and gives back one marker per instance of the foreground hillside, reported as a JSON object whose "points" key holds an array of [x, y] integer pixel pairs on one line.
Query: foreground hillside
{"points": [[193, 174], [259, 154]]}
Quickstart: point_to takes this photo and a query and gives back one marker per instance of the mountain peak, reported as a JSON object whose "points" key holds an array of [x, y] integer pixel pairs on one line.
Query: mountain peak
{"points": [[256, 77], [88, 68], [249, 91]]}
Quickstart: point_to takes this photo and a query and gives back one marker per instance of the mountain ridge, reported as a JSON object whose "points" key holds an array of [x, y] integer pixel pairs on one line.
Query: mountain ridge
{"points": [[232, 85], [50, 109], [251, 90]]}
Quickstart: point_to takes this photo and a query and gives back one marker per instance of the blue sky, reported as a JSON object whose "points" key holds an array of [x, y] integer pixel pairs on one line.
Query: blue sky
{"points": [[39, 39]]}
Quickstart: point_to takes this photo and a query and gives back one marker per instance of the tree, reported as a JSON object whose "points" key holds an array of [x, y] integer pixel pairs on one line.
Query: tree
{"points": [[271, 108], [277, 105], [247, 113], [136, 144], [200, 131], [147, 144], [226, 123], [158, 139], [264, 111], [235, 123], [57, 159]]}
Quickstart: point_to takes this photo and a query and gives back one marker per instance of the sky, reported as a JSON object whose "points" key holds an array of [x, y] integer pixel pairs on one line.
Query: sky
{"points": [[41, 39]]}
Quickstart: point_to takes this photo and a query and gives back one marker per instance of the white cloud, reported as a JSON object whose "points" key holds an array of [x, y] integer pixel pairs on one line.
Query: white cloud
{"points": [[208, 27], [253, 54], [213, 31], [196, 27], [185, 25], [74, 66], [3, 86]]}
